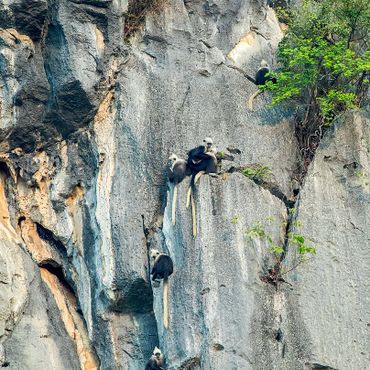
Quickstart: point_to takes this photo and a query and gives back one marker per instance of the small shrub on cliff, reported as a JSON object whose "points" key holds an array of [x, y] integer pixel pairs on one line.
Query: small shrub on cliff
{"points": [[367, 146], [258, 172], [304, 250]]}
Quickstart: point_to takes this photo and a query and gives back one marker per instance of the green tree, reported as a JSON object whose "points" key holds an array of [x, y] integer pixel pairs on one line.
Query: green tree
{"points": [[325, 64]]}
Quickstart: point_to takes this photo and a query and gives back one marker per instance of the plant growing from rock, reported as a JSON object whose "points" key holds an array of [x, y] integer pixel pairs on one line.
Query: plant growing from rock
{"points": [[258, 172], [278, 250], [325, 64], [235, 220], [362, 176], [367, 144]]}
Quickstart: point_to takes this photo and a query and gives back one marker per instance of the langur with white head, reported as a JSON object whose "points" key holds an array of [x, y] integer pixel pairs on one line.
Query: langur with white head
{"points": [[261, 78], [201, 160], [177, 171], [156, 361], [162, 269]]}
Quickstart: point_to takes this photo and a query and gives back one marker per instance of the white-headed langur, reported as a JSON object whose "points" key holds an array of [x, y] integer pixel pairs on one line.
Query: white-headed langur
{"points": [[261, 78], [201, 160], [162, 269], [156, 361], [177, 171]]}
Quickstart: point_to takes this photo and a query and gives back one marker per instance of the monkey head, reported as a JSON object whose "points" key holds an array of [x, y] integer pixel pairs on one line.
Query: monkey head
{"points": [[154, 253], [263, 64], [157, 352], [172, 158], [208, 142]]}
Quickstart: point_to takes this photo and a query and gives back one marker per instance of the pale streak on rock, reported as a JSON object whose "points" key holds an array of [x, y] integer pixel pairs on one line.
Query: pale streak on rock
{"points": [[238, 53], [99, 40], [11, 43], [104, 130], [14, 293], [39, 250], [73, 323], [74, 209]]}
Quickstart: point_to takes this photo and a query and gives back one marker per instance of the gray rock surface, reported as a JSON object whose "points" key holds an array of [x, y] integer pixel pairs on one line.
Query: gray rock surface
{"points": [[88, 118], [332, 290]]}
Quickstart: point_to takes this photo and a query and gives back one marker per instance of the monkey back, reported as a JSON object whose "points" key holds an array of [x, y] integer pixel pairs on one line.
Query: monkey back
{"points": [[261, 77], [154, 364], [199, 160], [163, 267]]}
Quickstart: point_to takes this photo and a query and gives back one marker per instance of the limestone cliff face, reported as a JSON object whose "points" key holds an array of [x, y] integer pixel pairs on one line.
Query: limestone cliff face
{"points": [[89, 114]]}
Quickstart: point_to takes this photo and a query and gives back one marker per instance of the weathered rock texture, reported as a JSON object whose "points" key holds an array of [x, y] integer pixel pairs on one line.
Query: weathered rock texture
{"points": [[88, 116]]}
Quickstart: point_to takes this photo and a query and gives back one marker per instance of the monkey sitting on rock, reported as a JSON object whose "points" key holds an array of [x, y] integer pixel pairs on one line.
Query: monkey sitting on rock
{"points": [[177, 170], [261, 79], [201, 160], [156, 361]]}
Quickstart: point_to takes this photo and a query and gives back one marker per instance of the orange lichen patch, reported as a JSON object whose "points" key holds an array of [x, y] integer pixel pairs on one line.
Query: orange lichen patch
{"points": [[104, 108], [11, 35], [99, 39], [244, 44], [74, 325], [74, 209], [75, 196], [39, 250], [35, 200], [43, 172]]}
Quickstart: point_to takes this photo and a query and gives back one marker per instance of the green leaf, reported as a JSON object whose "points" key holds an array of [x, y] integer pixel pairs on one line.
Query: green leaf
{"points": [[277, 249]]}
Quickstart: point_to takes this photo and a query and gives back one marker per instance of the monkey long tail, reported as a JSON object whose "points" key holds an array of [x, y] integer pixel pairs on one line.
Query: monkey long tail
{"points": [[251, 98], [165, 303], [193, 182], [189, 193], [193, 216], [188, 196], [174, 202]]}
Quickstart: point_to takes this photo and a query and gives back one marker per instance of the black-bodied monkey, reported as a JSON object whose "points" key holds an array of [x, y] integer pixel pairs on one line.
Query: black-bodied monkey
{"points": [[156, 361], [261, 78], [177, 171], [162, 269], [261, 74], [201, 160]]}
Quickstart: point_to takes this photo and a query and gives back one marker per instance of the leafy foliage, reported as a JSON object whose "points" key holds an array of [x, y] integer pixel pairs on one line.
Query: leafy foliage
{"points": [[324, 58], [235, 219], [324, 62], [302, 248], [368, 146], [259, 172], [362, 176], [258, 231]]}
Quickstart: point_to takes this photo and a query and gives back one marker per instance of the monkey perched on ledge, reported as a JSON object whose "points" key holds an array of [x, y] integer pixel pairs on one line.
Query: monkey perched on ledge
{"points": [[156, 360], [177, 170], [201, 160], [162, 269], [261, 79]]}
